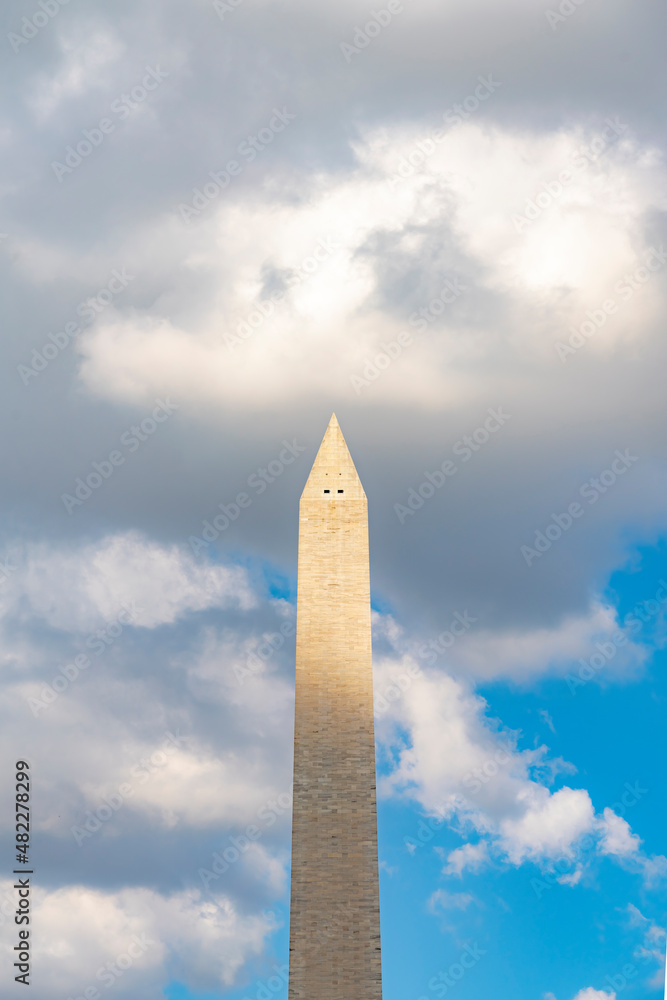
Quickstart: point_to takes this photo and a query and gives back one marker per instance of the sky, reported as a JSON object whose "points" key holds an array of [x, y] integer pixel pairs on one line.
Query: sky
{"points": [[446, 222]]}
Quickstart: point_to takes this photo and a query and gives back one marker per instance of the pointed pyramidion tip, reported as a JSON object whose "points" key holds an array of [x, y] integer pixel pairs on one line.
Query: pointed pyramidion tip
{"points": [[333, 476]]}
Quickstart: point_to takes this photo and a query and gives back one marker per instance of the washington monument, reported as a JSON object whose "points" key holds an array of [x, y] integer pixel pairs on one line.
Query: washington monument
{"points": [[335, 909]]}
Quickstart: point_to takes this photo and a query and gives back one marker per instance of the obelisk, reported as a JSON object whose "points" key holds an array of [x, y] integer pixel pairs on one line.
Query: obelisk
{"points": [[335, 910]]}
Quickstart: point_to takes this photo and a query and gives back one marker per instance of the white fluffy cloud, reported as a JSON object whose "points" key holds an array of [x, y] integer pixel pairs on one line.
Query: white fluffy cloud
{"points": [[550, 824], [136, 939], [79, 589], [617, 838], [458, 766], [164, 769], [652, 947], [443, 900], [470, 857], [149, 754], [190, 787], [590, 994], [86, 60], [522, 654], [454, 764], [473, 186]]}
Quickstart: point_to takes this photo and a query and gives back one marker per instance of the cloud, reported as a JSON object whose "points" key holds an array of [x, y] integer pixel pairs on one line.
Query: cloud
{"points": [[573, 878], [523, 654], [590, 994], [136, 939], [80, 588], [617, 838], [443, 900], [454, 764], [86, 60], [375, 232], [189, 788], [652, 947], [655, 869], [446, 755], [470, 857], [174, 745], [181, 754], [550, 825], [544, 714]]}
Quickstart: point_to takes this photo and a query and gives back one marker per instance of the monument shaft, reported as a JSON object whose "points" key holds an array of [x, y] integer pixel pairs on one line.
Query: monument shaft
{"points": [[335, 912]]}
